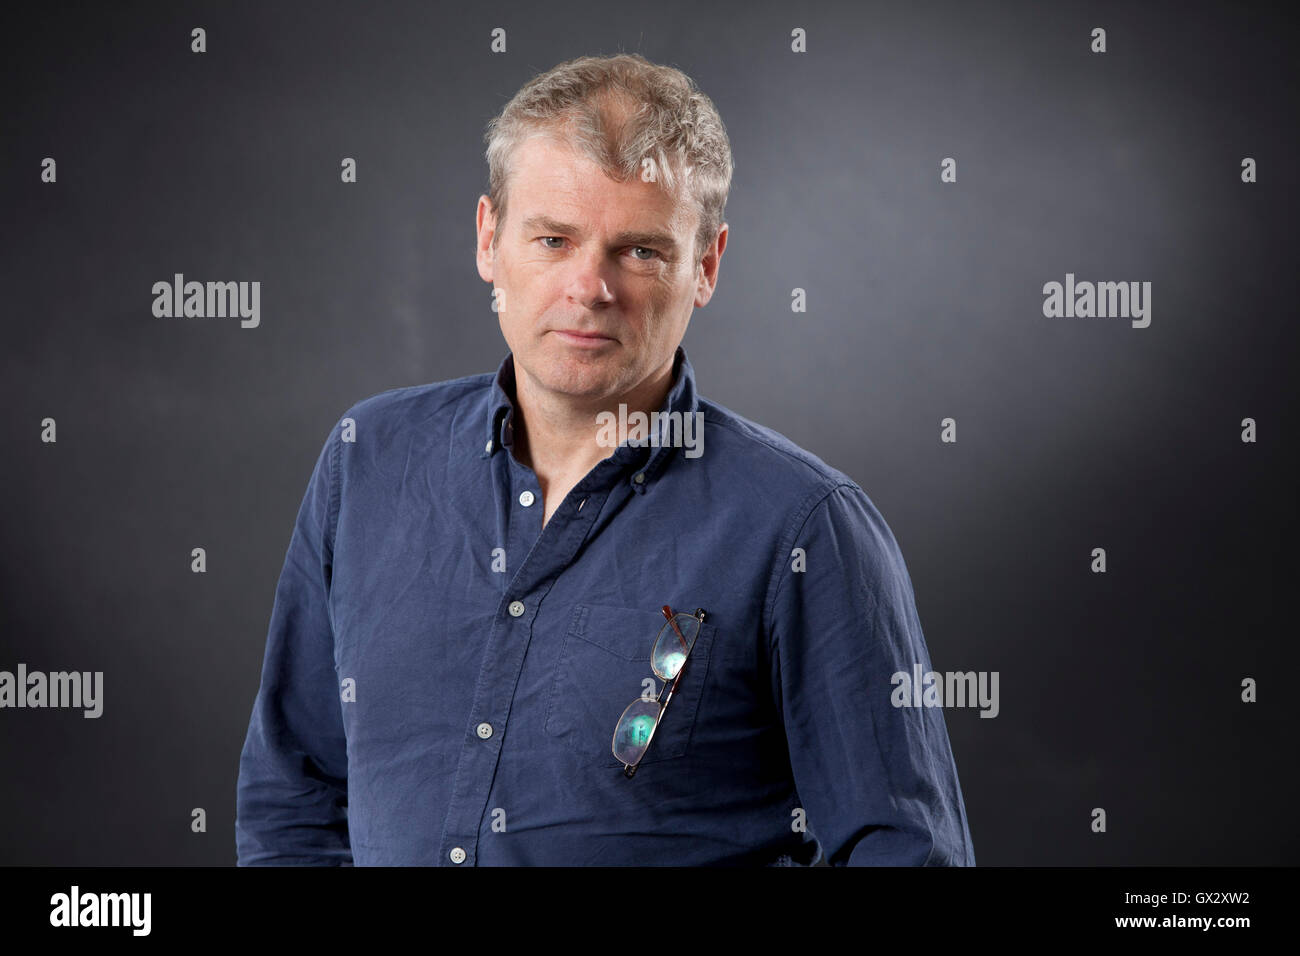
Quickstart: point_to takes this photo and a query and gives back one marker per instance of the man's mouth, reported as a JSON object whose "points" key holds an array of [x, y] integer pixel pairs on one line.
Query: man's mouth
{"points": [[588, 339]]}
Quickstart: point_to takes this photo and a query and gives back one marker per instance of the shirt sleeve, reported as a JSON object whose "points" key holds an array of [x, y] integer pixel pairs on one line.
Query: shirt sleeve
{"points": [[878, 783], [291, 797]]}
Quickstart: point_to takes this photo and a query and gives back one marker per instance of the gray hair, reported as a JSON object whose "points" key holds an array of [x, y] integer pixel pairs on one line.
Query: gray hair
{"points": [[667, 119]]}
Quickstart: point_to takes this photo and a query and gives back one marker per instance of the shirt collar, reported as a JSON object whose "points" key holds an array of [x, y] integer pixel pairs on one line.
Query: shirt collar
{"points": [[647, 459]]}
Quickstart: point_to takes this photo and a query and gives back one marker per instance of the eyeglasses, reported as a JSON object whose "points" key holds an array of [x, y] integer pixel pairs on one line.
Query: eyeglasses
{"points": [[636, 728]]}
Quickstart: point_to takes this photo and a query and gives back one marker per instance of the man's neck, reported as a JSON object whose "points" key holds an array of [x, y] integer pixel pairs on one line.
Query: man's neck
{"points": [[559, 438]]}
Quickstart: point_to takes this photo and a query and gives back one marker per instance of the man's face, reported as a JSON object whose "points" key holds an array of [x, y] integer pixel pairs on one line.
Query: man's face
{"points": [[580, 253]]}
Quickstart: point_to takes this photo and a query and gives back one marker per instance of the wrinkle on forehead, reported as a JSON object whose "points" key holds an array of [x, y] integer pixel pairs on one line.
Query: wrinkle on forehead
{"points": [[574, 180]]}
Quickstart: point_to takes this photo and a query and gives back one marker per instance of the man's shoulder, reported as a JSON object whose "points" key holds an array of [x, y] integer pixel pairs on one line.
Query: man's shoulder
{"points": [[792, 482], [764, 455], [424, 406]]}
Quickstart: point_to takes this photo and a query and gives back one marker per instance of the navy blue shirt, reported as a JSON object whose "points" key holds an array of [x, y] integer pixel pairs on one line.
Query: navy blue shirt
{"points": [[443, 674]]}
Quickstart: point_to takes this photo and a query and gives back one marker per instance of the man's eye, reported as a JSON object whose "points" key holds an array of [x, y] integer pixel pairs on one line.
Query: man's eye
{"points": [[636, 250]]}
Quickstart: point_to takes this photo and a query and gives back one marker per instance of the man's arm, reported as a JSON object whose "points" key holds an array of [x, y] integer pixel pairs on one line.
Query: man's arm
{"points": [[878, 782], [292, 793]]}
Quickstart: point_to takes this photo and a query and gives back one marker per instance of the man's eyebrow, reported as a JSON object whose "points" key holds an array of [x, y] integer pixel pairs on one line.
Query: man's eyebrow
{"points": [[555, 227]]}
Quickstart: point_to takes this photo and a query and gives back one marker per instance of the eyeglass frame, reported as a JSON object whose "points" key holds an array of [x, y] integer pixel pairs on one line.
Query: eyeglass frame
{"points": [[670, 686]]}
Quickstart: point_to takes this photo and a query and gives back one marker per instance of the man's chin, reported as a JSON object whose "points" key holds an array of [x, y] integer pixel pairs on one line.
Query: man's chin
{"points": [[584, 362], [580, 387], [581, 373]]}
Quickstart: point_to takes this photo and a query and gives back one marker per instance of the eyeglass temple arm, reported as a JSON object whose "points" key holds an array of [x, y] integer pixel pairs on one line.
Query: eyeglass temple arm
{"points": [[669, 613]]}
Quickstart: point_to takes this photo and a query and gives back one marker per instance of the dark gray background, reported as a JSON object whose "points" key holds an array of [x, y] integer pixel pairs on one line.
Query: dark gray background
{"points": [[1118, 690]]}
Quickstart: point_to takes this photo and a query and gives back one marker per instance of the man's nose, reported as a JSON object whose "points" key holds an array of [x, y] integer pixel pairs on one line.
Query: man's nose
{"points": [[590, 277]]}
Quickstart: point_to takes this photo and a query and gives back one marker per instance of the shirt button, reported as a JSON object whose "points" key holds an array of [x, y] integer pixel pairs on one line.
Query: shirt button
{"points": [[526, 498], [639, 477], [488, 447], [516, 608], [457, 855], [485, 730]]}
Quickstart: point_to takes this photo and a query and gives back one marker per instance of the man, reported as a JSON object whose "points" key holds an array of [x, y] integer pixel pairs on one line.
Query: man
{"points": [[481, 568]]}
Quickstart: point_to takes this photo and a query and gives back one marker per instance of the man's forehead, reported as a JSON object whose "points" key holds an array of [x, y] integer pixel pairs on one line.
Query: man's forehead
{"points": [[552, 179]]}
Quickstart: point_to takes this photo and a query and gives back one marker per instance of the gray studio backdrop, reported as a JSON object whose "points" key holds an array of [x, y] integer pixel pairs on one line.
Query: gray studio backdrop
{"points": [[1120, 690]]}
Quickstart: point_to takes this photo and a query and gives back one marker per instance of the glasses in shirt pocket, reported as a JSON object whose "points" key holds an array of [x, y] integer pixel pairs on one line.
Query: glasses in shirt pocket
{"points": [[601, 667]]}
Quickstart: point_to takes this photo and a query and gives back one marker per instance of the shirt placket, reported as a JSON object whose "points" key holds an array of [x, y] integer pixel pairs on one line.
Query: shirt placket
{"points": [[550, 553]]}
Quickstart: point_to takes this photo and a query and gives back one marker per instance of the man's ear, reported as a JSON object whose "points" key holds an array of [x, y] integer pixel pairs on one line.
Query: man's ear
{"points": [[708, 270], [485, 224]]}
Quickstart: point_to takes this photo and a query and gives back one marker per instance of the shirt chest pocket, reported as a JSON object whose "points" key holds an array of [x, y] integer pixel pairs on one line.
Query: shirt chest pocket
{"points": [[603, 666]]}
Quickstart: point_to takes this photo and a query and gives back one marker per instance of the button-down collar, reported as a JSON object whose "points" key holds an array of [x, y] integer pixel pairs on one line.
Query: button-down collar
{"points": [[641, 456]]}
